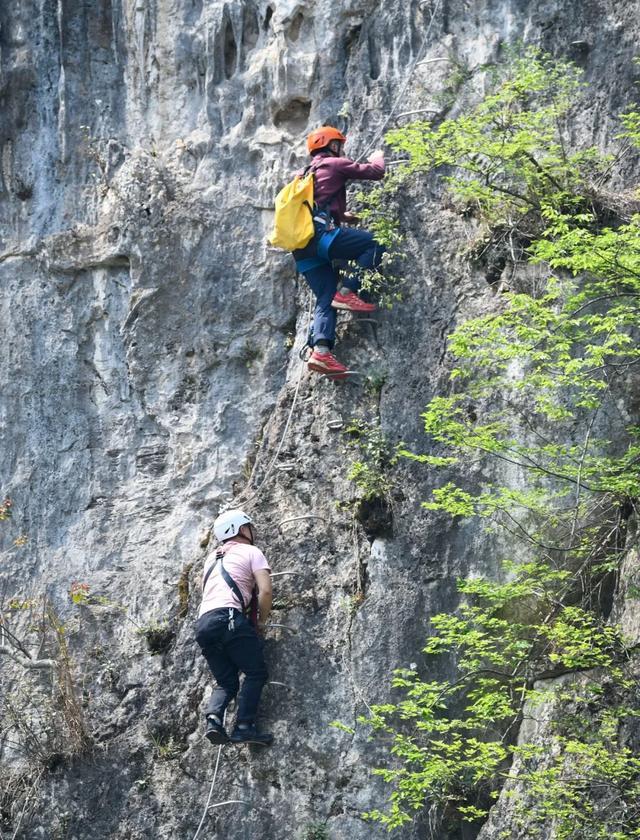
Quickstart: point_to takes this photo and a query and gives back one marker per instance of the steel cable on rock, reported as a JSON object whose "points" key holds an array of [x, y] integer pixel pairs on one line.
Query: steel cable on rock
{"points": [[256, 492], [405, 84], [253, 496]]}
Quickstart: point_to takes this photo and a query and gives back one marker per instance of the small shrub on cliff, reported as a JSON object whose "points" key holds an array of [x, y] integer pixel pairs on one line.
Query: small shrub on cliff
{"points": [[158, 635], [44, 719], [370, 471], [315, 831]]}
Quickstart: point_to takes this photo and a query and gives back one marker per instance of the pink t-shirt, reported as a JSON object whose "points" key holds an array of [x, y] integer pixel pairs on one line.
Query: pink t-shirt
{"points": [[241, 561]]}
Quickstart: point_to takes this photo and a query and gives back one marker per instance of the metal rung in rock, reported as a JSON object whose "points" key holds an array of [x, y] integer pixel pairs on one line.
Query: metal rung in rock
{"points": [[230, 802], [282, 627], [298, 518]]}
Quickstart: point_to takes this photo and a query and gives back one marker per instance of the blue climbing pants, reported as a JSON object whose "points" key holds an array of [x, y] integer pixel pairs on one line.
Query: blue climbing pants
{"points": [[315, 263]]}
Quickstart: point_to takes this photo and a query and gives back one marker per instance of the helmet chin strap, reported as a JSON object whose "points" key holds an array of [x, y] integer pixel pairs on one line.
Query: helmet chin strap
{"points": [[244, 535]]}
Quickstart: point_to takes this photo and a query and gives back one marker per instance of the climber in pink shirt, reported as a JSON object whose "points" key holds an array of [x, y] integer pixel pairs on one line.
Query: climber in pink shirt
{"points": [[228, 637]]}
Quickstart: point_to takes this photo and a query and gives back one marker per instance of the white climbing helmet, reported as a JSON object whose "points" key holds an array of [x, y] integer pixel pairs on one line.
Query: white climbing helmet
{"points": [[228, 524]]}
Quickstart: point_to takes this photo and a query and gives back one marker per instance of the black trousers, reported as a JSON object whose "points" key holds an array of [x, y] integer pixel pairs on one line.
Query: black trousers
{"points": [[229, 652]]}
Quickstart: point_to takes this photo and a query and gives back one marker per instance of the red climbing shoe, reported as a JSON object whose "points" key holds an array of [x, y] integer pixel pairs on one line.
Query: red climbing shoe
{"points": [[352, 302], [326, 363]]}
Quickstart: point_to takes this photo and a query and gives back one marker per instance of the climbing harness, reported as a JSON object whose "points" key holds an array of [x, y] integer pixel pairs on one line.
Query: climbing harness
{"points": [[250, 610]]}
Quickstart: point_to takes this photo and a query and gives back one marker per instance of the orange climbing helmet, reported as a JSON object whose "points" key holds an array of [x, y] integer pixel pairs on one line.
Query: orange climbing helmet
{"points": [[321, 137]]}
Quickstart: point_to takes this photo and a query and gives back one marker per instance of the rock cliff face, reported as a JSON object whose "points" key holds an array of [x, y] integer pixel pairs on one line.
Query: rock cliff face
{"points": [[151, 373]]}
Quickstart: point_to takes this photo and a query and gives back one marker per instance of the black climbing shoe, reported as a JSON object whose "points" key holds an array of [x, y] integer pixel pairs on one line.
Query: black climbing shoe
{"points": [[215, 731], [250, 735]]}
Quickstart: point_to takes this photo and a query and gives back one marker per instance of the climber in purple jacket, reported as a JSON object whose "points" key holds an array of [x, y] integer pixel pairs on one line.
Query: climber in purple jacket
{"points": [[333, 241]]}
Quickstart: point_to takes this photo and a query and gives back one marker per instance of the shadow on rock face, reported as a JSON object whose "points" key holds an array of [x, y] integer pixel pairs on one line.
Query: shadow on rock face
{"points": [[158, 638], [376, 517]]}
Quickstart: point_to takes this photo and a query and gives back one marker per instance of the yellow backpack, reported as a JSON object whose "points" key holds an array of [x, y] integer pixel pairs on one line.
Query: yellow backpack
{"points": [[293, 224]]}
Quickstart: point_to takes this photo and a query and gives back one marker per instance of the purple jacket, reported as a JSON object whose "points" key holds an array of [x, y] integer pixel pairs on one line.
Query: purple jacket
{"points": [[332, 173]]}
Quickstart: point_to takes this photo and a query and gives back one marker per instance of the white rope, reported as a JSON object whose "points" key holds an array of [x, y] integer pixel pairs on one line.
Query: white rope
{"points": [[405, 84], [256, 492], [213, 781]]}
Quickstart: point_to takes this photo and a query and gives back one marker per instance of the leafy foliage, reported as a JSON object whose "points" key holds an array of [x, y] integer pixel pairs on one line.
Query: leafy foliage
{"points": [[378, 213], [454, 738], [508, 155], [316, 830], [532, 395], [370, 471]]}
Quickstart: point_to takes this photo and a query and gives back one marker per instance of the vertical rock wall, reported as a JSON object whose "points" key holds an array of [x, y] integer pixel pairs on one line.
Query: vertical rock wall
{"points": [[151, 360]]}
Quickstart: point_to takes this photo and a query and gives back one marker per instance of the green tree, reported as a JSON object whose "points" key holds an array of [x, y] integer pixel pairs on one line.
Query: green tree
{"points": [[534, 389]]}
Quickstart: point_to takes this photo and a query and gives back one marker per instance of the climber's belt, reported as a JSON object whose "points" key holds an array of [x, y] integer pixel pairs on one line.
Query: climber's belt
{"points": [[324, 242], [227, 612], [309, 264]]}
